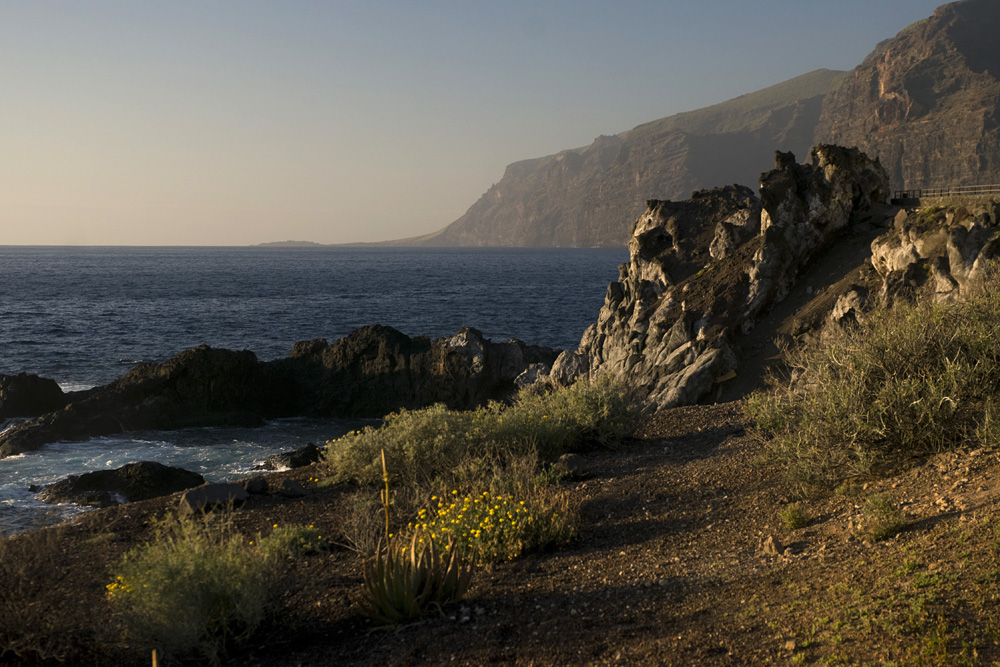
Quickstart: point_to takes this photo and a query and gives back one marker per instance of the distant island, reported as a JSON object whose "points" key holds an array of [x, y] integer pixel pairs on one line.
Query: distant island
{"points": [[290, 244]]}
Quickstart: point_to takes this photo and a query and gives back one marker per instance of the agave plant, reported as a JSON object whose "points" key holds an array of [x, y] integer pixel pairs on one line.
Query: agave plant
{"points": [[403, 581]]}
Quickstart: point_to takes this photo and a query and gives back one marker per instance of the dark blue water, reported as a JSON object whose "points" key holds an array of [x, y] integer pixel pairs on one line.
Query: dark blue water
{"points": [[84, 316]]}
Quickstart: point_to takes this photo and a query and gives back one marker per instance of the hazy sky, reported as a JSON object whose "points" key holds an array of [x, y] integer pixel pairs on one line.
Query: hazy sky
{"points": [[233, 123]]}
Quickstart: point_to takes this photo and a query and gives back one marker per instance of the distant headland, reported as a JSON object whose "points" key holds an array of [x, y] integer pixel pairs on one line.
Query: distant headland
{"points": [[290, 244]]}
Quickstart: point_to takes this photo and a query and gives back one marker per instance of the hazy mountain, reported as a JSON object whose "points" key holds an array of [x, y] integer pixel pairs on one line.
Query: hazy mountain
{"points": [[590, 196], [926, 103]]}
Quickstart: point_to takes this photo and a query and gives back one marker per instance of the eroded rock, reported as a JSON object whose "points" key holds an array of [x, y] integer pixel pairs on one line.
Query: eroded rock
{"points": [[26, 395], [135, 481], [371, 372], [703, 271]]}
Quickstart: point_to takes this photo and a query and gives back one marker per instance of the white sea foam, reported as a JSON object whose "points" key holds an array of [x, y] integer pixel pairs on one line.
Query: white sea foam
{"points": [[217, 454], [75, 386]]}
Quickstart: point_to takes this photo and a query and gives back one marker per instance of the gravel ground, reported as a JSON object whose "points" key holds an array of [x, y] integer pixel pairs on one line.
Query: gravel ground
{"points": [[680, 559]]}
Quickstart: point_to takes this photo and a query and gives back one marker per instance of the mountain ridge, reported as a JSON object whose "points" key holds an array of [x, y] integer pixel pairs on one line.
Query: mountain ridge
{"points": [[925, 102], [588, 196]]}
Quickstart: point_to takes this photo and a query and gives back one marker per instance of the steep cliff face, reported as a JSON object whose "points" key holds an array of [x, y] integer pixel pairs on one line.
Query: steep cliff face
{"points": [[704, 271], [589, 196], [927, 102]]}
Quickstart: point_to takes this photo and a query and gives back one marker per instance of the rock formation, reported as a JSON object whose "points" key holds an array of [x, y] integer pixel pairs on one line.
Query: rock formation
{"points": [[939, 253], [369, 373], [703, 271], [303, 456], [25, 395], [132, 482]]}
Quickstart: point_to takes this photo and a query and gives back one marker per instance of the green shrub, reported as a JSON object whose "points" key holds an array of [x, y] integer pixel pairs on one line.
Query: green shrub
{"points": [[494, 449], [793, 516], [424, 447], [420, 445], [195, 589], [882, 518], [291, 541], [909, 381], [584, 416], [404, 580]]}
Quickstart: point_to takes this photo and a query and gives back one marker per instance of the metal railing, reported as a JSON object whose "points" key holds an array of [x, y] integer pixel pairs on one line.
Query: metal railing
{"points": [[957, 191]]}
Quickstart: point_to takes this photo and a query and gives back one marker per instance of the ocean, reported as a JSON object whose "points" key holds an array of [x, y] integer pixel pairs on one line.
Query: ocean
{"points": [[84, 316]]}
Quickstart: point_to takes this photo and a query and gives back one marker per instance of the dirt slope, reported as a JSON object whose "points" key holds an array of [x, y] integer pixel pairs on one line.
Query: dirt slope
{"points": [[671, 566]]}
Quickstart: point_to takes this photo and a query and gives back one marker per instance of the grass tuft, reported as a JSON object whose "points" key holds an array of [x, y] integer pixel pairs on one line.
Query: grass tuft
{"points": [[883, 519], [195, 590], [793, 516], [497, 450]]}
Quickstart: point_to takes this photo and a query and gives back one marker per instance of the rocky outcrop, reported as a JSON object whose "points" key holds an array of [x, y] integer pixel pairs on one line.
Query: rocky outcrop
{"points": [[940, 253], [199, 387], [373, 371], [376, 370], [927, 102], [297, 458], [703, 271], [132, 482], [25, 395]]}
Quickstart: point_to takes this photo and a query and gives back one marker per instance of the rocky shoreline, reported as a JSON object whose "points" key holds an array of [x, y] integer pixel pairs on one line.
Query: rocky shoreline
{"points": [[711, 283], [369, 373]]}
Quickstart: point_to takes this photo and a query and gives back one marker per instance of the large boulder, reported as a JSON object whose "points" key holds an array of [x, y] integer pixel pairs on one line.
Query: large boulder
{"points": [[303, 456], [131, 482], [26, 395], [210, 496]]}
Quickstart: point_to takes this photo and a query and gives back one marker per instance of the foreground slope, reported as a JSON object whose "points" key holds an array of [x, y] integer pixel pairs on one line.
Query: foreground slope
{"points": [[681, 559]]}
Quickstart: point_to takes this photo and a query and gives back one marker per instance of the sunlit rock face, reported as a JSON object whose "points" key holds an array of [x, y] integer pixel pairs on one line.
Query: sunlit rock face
{"points": [[703, 271], [938, 253]]}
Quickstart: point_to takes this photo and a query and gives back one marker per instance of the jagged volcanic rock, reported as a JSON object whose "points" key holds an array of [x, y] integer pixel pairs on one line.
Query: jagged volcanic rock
{"points": [[938, 253], [369, 373], [704, 270]]}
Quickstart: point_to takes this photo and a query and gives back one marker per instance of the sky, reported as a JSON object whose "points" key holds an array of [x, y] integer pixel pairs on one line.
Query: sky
{"points": [[216, 122]]}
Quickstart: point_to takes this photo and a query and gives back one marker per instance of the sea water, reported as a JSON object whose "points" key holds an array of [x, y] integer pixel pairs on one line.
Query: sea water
{"points": [[84, 316]]}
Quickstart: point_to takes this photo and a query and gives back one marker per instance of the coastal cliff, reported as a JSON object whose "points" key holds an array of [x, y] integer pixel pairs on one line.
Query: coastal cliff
{"points": [[926, 103], [587, 196]]}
